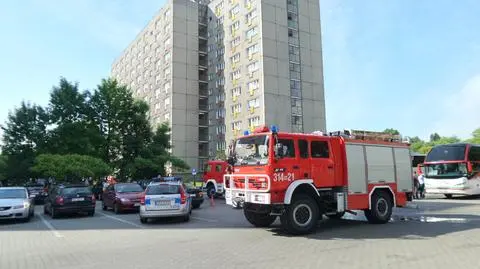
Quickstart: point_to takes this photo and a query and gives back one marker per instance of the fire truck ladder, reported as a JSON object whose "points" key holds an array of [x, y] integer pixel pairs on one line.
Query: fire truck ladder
{"points": [[369, 135]]}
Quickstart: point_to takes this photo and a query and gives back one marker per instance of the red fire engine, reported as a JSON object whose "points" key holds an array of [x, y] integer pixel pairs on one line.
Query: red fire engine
{"points": [[213, 177], [301, 177]]}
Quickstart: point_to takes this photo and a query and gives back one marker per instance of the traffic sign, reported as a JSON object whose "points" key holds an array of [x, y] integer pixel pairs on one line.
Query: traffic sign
{"points": [[194, 171]]}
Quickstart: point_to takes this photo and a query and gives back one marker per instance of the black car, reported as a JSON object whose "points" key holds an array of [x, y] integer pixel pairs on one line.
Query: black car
{"points": [[37, 191], [69, 199]]}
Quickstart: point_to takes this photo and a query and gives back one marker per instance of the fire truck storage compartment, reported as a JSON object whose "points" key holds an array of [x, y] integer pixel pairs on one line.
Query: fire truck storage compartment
{"points": [[377, 164]]}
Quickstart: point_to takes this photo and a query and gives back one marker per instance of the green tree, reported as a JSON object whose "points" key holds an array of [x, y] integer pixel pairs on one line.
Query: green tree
{"points": [[24, 135], [69, 167], [434, 137], [155, 155], [391, 131], [70, 112], [220, 155], [123, 123], [3, 168], [475, 137]]}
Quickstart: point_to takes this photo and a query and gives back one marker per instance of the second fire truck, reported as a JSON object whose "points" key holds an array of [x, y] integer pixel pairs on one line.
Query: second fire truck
{"points": [[302, 177]]}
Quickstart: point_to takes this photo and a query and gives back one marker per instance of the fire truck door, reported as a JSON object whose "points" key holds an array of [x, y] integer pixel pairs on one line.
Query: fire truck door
{"points": [[322, 165]]}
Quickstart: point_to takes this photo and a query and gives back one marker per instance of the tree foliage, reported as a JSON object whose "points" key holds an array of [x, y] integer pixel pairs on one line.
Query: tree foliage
{"points": [[105, 123], [70, 167], [3, 167]]}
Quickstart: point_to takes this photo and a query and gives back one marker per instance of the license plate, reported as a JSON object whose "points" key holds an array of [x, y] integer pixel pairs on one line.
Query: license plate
{"points": [[163, 203], [78, 199], [136, 204]]}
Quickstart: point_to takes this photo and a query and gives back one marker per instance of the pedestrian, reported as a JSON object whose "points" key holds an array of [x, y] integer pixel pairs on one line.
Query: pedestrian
{"points": [[421, 186], [415, 185]]}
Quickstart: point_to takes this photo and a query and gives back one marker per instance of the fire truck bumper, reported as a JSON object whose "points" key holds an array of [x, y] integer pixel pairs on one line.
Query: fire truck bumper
{"points": [[233, 197]]}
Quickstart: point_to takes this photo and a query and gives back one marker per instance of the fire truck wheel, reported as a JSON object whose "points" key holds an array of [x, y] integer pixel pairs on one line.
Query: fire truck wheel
{"points": [[301, 216], [381, 208], [259, 220]]}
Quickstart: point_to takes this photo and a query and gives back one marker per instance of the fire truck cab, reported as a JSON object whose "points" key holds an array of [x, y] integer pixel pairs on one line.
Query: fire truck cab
{"points": [[213, 177], [301, 177]]}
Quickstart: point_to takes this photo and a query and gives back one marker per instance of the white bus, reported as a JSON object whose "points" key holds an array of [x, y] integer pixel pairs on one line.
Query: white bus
{"points": [[453, 169]]}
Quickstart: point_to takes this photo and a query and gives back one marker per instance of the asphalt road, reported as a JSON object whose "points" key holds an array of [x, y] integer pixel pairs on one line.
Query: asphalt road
{"points": [[439, 234]]}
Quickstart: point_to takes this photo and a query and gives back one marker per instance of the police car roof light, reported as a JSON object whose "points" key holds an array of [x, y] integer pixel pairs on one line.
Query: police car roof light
{"points": [[274, 129], [246, 133]]}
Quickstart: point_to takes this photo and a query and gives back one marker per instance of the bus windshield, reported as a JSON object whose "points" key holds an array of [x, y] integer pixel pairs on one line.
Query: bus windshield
{"points": [[252, 150], [446, 153], [446, 170]]}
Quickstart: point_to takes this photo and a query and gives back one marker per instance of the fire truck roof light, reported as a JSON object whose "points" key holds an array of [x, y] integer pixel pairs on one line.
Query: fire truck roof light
{"points": [[246, 133]]}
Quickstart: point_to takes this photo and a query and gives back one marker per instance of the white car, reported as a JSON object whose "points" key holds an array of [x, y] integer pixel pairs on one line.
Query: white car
{"points": [[165, 199], [15, 203]]}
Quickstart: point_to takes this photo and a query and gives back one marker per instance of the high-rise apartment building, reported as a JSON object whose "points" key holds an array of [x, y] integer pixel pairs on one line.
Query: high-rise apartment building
{"points": [[214, 69]]}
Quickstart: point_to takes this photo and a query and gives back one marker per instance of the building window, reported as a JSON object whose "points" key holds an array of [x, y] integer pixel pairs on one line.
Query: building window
{"points": [[166, 87], [236, 125], [166, 102], [253, 85], [235, 42], [252, 32], [236, 91], [250, 16], [167, 72], [295, 88], [220, 21], [235, 75], [237, 108], [297, 124], [253, 67], [220, 82], [219, 67], [234, 11], [235, 58], [254, 122], [253, 49], [234, 27], [167, 57], [294, 53], [296, 106], [319, 149], [167, 42], [254, 103]]}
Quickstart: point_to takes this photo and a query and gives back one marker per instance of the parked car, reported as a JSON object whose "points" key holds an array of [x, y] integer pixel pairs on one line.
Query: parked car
{"points": [[69, 199], [197, 196], [165, 199], [37, 191], [15, 203], [122, 197]]}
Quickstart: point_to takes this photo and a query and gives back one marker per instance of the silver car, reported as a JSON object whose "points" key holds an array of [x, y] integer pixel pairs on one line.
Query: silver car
{"points": [[165, 199], [15, 203]]}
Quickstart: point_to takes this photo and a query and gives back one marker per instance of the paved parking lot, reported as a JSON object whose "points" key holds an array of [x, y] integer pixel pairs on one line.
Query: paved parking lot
{"points": [[439, 234]]}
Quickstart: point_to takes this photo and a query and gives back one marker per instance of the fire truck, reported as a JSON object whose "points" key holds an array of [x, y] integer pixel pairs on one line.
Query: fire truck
{"points": [[213, 177], [302, 177]]}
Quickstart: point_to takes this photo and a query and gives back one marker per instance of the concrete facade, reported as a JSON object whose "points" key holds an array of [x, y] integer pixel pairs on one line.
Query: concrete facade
{"points": [[213, 71]]}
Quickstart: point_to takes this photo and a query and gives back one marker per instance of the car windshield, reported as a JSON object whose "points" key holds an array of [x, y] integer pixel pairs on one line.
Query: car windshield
{"points": [[123, 188], [446, 153], [445, 170], [76, 190], [252, 150], [13, 194], [162, 189]]}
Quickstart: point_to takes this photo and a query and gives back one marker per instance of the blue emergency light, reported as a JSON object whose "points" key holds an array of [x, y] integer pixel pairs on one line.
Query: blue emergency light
{"points": [[274, 129], [246, 133]]}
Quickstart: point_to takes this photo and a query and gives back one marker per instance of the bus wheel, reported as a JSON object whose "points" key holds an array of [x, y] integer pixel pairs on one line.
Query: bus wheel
{"points": [[259, 220], [449, 196], [382, 207], [301, 216]]}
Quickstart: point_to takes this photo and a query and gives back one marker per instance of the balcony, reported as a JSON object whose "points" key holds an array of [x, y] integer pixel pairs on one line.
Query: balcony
{"points": [[202, 76], [203, 92]]}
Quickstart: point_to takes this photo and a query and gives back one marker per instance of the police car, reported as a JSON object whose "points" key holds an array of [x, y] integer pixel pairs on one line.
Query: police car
{"points": [[165, 198]]}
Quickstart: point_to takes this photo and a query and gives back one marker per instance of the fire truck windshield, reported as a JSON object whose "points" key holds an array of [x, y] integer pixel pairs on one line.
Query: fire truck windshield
{"points": [[252, 150]]}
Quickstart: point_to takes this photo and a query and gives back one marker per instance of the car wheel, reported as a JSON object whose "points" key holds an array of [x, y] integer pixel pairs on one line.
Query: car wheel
{"points": [[143, 220], [196, 206], [116, 208], [301, 216], [186, 218]]}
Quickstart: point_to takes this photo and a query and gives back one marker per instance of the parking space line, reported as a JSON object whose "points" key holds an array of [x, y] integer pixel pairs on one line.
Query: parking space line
{"points": [[49, 226], [122, 220], [207, 220]]}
